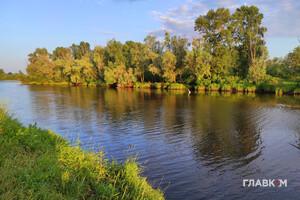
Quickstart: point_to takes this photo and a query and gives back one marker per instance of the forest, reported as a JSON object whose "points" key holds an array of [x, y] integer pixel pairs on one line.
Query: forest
{"points": [[229, 54]]}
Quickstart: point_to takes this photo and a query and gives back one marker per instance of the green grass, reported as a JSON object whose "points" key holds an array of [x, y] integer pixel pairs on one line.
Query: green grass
{"points": [[38, 164]]}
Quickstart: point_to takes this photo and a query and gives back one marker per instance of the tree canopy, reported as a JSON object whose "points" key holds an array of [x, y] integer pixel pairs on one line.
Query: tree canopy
{"points": [[230, 46]]}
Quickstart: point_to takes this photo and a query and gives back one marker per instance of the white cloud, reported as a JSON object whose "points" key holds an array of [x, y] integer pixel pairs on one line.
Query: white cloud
{"points": [[281, 17]]}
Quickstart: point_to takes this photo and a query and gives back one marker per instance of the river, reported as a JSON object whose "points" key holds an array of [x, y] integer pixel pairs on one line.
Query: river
{"points": [[191, 146]]}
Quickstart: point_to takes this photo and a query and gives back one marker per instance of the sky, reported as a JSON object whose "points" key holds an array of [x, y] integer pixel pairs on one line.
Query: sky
{"points": [[26, 25]]}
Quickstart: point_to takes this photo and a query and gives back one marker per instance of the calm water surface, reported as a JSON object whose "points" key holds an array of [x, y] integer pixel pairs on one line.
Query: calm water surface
{"points": [[193, 147]]}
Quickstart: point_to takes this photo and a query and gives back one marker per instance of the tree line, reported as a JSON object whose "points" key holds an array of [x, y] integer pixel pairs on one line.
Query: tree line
{"points": [[11, 76], [230, 48]]}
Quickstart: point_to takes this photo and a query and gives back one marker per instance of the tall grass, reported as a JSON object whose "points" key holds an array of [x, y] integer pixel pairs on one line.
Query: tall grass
{"points": [[38, 164]]}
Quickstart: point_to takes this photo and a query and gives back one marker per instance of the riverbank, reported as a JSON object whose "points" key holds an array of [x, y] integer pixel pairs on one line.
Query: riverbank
{"points": [[280, 88], [38, 164]]}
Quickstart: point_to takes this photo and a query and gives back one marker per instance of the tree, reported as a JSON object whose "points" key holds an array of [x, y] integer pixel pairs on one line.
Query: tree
{"points": [[277, 67], [62, 58], [167, 42], [154, 70], [88, 72], [80, 50], [198, 63], [114, 53], [2, 74], [293, 60], [40, 67], [216, 30], [257, 70], [136, 58], [169, 66], [249, 37], [99, 62], [119, 75], [153, 44], [179, 47]]}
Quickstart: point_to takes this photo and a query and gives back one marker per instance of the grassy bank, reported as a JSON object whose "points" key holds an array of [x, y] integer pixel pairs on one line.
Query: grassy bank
{"points": [[38, 164]]}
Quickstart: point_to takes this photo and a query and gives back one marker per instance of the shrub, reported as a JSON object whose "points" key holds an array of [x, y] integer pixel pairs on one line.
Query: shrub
{"points": [[156, 85], [297, 91], [214, 87], [239, 87], [250, 89], [142, 85], [226, 88], [200, 88], [176, 86], [266, 87]]}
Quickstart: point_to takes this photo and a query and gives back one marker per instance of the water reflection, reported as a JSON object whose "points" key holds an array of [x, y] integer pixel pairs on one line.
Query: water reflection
{"points": [[226, 131], [187, 143]]}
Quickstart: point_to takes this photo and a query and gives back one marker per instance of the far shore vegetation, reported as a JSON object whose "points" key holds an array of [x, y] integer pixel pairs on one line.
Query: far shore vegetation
{"points": [[38, 164], [229, 54]]}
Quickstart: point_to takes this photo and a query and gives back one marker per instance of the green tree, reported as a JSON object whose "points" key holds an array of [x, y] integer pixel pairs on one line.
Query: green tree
{"points": [[169, 66], [217, 32], [118, 75], [198, 63], [114, 53], [88, 71], [277, 67], [249, 37], [62, 58], [40, 67], [99, 61], [2, 74], [293, 60], [179, 47], [167, 42], [80, 50], [153, 44], [136, 58]]}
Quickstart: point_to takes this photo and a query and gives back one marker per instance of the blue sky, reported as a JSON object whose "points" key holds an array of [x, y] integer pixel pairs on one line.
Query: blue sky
{"points": [[26, 25]]}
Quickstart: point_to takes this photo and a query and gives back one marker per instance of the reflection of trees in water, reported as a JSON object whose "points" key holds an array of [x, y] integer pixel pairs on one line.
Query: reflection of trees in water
{"points": [[219, 128], [224, 129], [70, 108]]}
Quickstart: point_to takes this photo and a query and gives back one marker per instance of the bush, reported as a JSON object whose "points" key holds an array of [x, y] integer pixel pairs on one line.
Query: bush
{"points": [[156, 85], [200, 88], [267, 87], [142, 85], [226, 88], [297, 91], [250, 89], [176, 86], [239, 87], [214, 87]]}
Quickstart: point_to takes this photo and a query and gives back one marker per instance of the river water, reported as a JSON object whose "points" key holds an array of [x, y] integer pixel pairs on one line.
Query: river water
{"points": [[191, 146]]}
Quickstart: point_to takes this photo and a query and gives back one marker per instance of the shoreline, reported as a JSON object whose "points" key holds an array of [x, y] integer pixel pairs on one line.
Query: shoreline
{"points": [[251, 89]]}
